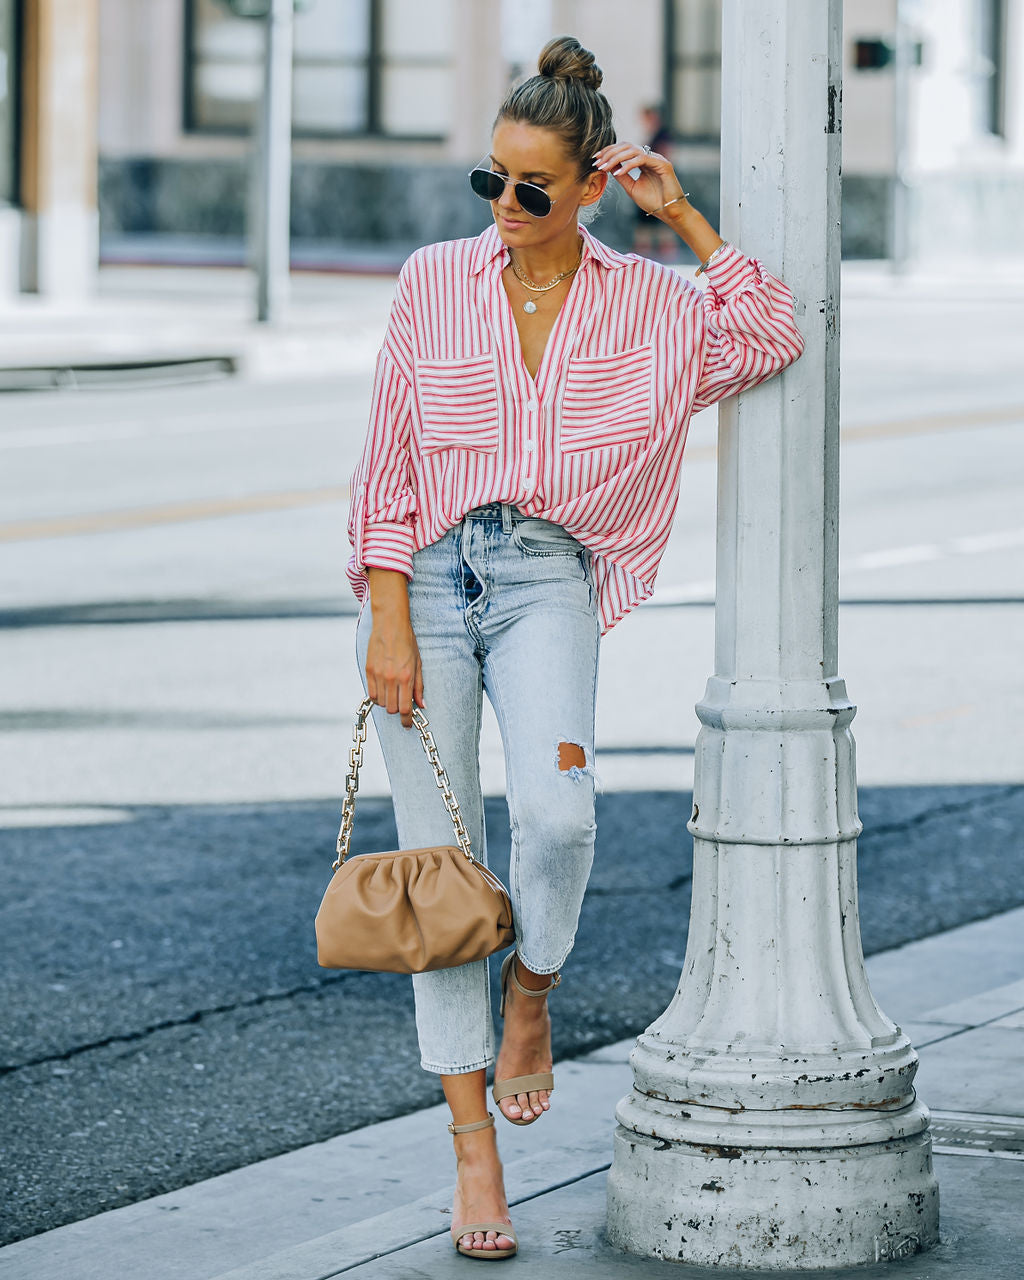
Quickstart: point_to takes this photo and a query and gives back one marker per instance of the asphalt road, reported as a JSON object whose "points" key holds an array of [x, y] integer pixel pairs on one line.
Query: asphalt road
{"points": [[176, 683]]}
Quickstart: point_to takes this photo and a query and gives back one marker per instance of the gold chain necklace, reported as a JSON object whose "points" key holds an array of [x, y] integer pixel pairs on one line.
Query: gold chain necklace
{"points": [[529, 306]]}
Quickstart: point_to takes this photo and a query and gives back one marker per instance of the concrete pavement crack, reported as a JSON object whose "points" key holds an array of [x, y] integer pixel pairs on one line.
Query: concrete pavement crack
{"points": [[974, 1026], [603, 891], [940, 811], [996, 794], [134, 1037]]}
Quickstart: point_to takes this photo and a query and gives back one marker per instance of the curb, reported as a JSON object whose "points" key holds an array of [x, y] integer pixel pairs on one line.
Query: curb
{"points": [[103, 375]]}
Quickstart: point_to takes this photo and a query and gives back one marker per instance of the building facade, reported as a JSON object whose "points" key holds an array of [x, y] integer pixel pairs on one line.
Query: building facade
{"points": [[151, 104], [49, 231]]}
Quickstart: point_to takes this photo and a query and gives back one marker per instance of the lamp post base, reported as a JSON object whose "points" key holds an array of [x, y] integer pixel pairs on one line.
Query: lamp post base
{"points": [[775, 1208]]}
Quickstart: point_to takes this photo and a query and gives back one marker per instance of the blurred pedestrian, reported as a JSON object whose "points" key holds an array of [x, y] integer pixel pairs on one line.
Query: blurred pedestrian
{"points": [[656, 131], [513, 500], [651, 236]]}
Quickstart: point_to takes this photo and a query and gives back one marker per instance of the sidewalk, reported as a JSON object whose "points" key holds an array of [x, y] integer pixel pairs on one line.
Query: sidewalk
{"points": [[375, 1202], [143, 321], [192, 321]]}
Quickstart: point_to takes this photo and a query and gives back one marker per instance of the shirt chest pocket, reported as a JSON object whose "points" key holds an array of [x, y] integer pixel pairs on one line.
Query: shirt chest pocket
{"points": [[607, 400], [458, 404]]}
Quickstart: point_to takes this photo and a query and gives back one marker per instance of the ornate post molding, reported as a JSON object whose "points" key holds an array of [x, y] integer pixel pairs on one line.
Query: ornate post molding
{"points": [[773, 1122]]}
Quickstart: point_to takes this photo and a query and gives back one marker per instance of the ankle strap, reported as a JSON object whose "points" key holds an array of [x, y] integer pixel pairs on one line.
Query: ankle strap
{"points": [[556, 979], [469, 1128]]}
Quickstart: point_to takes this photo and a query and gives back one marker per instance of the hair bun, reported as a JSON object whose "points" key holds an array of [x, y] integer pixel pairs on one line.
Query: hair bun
{"points": [[564, 58]]}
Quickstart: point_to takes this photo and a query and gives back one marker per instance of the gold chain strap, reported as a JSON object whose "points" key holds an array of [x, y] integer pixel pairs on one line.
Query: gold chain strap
{"points": [[355, 760]]}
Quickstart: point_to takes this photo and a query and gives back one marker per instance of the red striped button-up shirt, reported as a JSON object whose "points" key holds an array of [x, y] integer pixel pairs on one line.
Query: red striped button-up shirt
{"points": [[594, 442]]}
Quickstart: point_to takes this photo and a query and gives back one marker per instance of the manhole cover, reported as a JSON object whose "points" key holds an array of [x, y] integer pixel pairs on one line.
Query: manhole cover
{"points": [[960, 1134]]}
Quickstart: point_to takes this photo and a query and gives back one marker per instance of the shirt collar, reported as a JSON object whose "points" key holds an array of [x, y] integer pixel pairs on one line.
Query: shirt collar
{"points": [[488, 245]]}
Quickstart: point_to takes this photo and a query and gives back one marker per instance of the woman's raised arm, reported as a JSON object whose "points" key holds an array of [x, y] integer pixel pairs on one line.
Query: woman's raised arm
{"points": [[750, 329]]}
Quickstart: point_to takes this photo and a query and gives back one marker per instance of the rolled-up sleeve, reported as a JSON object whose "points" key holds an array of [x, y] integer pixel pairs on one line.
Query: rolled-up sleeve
{"points": [[383, 511], [750, 327]]}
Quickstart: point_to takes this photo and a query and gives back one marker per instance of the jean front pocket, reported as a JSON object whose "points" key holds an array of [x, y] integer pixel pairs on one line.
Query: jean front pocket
{"points": [[607, 400], [543, 538], [458, 404]]}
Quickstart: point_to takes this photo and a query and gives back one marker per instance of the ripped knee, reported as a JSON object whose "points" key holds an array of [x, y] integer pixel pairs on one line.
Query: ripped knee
{"points": [[571, 756]]}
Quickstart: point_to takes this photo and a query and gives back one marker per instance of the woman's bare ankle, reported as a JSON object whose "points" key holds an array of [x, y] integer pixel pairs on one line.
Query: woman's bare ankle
{"points": [[480, 1163]]}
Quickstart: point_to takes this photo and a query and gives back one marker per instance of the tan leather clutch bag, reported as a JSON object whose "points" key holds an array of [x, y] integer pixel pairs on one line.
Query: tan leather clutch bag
{"points": [[409, 910]]}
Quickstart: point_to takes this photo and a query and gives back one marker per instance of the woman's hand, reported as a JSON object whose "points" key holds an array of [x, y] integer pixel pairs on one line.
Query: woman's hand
{"points": [[394, 673], [657, 183], [655, 187]]}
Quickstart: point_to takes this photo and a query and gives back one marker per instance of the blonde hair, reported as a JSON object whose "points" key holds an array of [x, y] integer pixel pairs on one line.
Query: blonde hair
{"points": [[565, 96]]}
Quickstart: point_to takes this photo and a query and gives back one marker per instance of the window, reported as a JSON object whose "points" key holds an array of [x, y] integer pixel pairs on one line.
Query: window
{"points": [[8, 103], [693, 72], [361, 67], [413, 65]]}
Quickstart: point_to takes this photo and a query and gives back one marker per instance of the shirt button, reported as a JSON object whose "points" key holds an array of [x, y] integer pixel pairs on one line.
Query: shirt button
{"points": [[533, 407], [529, 446]]}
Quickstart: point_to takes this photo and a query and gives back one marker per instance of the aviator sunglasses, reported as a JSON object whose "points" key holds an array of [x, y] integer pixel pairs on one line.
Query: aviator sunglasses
{"points": [[489, 185]]}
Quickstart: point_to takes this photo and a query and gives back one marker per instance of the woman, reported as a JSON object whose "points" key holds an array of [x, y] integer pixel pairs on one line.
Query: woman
{"points": [[513, 500]]}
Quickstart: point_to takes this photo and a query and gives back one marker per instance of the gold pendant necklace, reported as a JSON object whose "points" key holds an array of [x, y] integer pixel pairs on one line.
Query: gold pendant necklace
{"points": [[529, 306]]}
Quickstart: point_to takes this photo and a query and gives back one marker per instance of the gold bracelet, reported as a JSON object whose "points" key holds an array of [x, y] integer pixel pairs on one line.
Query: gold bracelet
{"points": [[684, 196], [711, 257], [654, 213]]}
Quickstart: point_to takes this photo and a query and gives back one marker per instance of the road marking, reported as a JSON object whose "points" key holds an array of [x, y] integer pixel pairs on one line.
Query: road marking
{"points": [[57, 816], [893, 428], [923, 552], [170, 513], [893, 556], [956, 420], [890, 558], [182, 512], [987, 542], [319, 415], [936, 717]]}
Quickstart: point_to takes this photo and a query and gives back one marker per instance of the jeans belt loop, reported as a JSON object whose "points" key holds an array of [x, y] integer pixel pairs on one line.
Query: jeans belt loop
{"points": [[506, 518]]}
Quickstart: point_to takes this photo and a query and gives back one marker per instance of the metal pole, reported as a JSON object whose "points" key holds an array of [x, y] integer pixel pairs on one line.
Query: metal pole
{"points": [[901, 110], [773, 1123], [272, 222]]}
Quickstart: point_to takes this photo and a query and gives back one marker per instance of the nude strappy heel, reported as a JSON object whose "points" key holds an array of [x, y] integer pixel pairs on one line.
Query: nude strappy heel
{"points": [[521, 1084], [468, 1228]]}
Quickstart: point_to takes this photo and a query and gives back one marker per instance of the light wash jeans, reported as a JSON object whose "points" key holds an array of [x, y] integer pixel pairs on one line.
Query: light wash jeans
{"points": [[503, 604]]}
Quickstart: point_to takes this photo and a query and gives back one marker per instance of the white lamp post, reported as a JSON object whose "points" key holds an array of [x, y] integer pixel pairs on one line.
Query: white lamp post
{"points": [[773, 1122]]}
